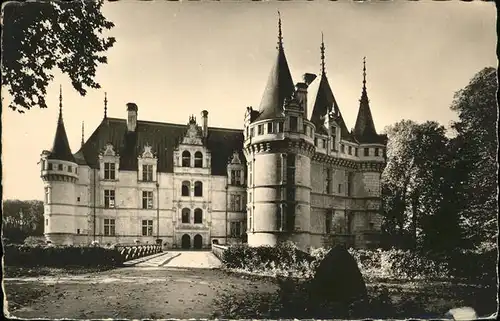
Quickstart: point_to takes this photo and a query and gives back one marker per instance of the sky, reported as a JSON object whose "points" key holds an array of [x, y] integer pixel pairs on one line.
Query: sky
{"points": [[175, 59]]}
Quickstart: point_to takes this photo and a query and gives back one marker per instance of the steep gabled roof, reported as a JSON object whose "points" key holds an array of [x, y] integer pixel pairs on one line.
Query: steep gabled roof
{"points": [[279, 86], [163, 137], [60, 147], [364, 130]]}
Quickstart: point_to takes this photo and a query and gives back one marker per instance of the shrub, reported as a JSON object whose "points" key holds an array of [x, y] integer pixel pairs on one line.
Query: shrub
{"points": [[60, 256]]}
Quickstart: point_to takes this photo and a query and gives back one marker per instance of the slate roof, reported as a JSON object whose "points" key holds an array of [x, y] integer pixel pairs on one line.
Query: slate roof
{"points": [[322, 105], [364, 130], [60, 147], [279, 86], [164, 139]]}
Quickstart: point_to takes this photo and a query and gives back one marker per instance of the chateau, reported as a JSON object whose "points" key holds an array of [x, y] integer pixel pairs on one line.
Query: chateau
{"points": [[285, 176]]}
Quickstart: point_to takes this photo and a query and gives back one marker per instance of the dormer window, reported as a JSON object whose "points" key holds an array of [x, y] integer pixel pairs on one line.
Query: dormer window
{"points": [[236, 177], [186, 159], [147, 173], [294, 123], [109, 171], [198, 160]]}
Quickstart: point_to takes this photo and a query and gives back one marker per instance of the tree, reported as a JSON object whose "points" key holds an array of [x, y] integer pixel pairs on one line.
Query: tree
{"points": [[476, 156], [21, 219], [41, 35]]}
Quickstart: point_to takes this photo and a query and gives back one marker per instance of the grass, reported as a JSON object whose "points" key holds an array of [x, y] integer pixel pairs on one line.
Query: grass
{"points": [[16, 272]]}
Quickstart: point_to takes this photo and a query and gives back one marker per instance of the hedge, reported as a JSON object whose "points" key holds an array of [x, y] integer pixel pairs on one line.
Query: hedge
{"points": [[60, 256]]}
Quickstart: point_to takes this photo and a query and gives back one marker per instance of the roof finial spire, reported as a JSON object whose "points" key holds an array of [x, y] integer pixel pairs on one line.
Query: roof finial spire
{"points": [[323, 71], [60, 102], [364, 73], [105, 105], [280, 35], [83, 135]]}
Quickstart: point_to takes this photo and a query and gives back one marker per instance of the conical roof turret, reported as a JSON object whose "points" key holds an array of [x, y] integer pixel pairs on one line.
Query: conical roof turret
{"points": [[60, 147], [279, 86], [364, 130]]}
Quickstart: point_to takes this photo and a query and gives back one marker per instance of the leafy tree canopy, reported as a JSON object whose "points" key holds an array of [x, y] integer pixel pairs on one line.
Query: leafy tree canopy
{"points": [[39, 36]]}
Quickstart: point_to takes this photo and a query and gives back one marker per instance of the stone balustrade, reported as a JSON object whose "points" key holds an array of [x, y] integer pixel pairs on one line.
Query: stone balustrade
{"points": [[136, 251], [218, 250]]}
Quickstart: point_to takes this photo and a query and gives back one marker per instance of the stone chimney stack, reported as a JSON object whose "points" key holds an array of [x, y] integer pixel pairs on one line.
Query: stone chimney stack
{"points": [[132, 117], [301, 91], [204, 117]]}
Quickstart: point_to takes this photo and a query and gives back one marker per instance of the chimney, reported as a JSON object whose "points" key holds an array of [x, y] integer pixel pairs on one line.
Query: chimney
{"points": [[132, 117], [301, 91], [204, 117]]}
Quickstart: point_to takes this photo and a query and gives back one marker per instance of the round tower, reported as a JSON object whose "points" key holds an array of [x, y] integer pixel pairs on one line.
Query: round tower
{"points": [[59, 172], [278, 146]]}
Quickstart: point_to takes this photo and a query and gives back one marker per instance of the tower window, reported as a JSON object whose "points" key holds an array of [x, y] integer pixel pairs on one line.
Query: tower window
{"points": [[323, 143], [186, 159], [250, 176], [77, 231], [293, 123], [109, 198], [147, 227], [367, 151], [252, 132], [355, 152], [198, 160], [70, 169], [198, 188], [315, 141], [147, 173], [290, 173], [376, 151], [328, 223], [109, 170], [340, 188], [349, 150], [47, 195], [49, 166], [280, 127], [350, 177], [109, 227], [198, 216], [185, 188], [260, 129], [270, 128], [279, 217], [60, 167], [342, 148], [147, 199], [78, 199], [328, 180], [47, 221], [185, 215]]}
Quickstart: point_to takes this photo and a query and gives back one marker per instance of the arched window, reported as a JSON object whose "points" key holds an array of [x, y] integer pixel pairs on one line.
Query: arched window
{"points": [[186, 159], [185, 188], [185, 215], [198, 159], [198, 216], [198, 188]]}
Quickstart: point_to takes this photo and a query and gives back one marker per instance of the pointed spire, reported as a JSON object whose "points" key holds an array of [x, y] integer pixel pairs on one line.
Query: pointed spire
{"points": [[323, 69], [105, 105], [83, 132], [60, 147], [280, 34], [279, 86], [364, 130]]}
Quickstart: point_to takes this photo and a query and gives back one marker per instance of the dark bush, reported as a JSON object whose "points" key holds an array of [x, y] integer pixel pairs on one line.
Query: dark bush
{"points": [[60, 256]]}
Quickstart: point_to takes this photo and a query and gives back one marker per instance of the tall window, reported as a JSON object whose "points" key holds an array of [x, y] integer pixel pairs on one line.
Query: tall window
{"points": [[70, 169], [147, 173], [279, 218], [250, 174], [235, 229], [186, 159], [293, 123], [60, 167], [340, 188], [355, 152], [367, 151], [198, 188], [250, 226], [47, 195], [260, 129], [316, 141], [198, 216], [198, 160], [252, 132], [342, 148], [147, 227], [350, 177], [279, 168], [186, 212], [290, 171], [49, 166], [270, 129], [334, 143], [328, 180], [235, 202], [185, 188], [236, 177], [349, 150], [376, 151], [109, 227], [109, 170], [147, 199], [109, 198], [280, 127]]}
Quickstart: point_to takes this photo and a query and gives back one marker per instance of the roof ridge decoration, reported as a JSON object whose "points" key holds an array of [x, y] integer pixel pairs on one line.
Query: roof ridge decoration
{"points": [[279, 85], [364, 130], [194, 134], [60, 147]]}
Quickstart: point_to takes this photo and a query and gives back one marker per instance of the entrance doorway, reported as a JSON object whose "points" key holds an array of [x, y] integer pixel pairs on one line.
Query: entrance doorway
{"points": [[198, 241], [186, 241]]}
